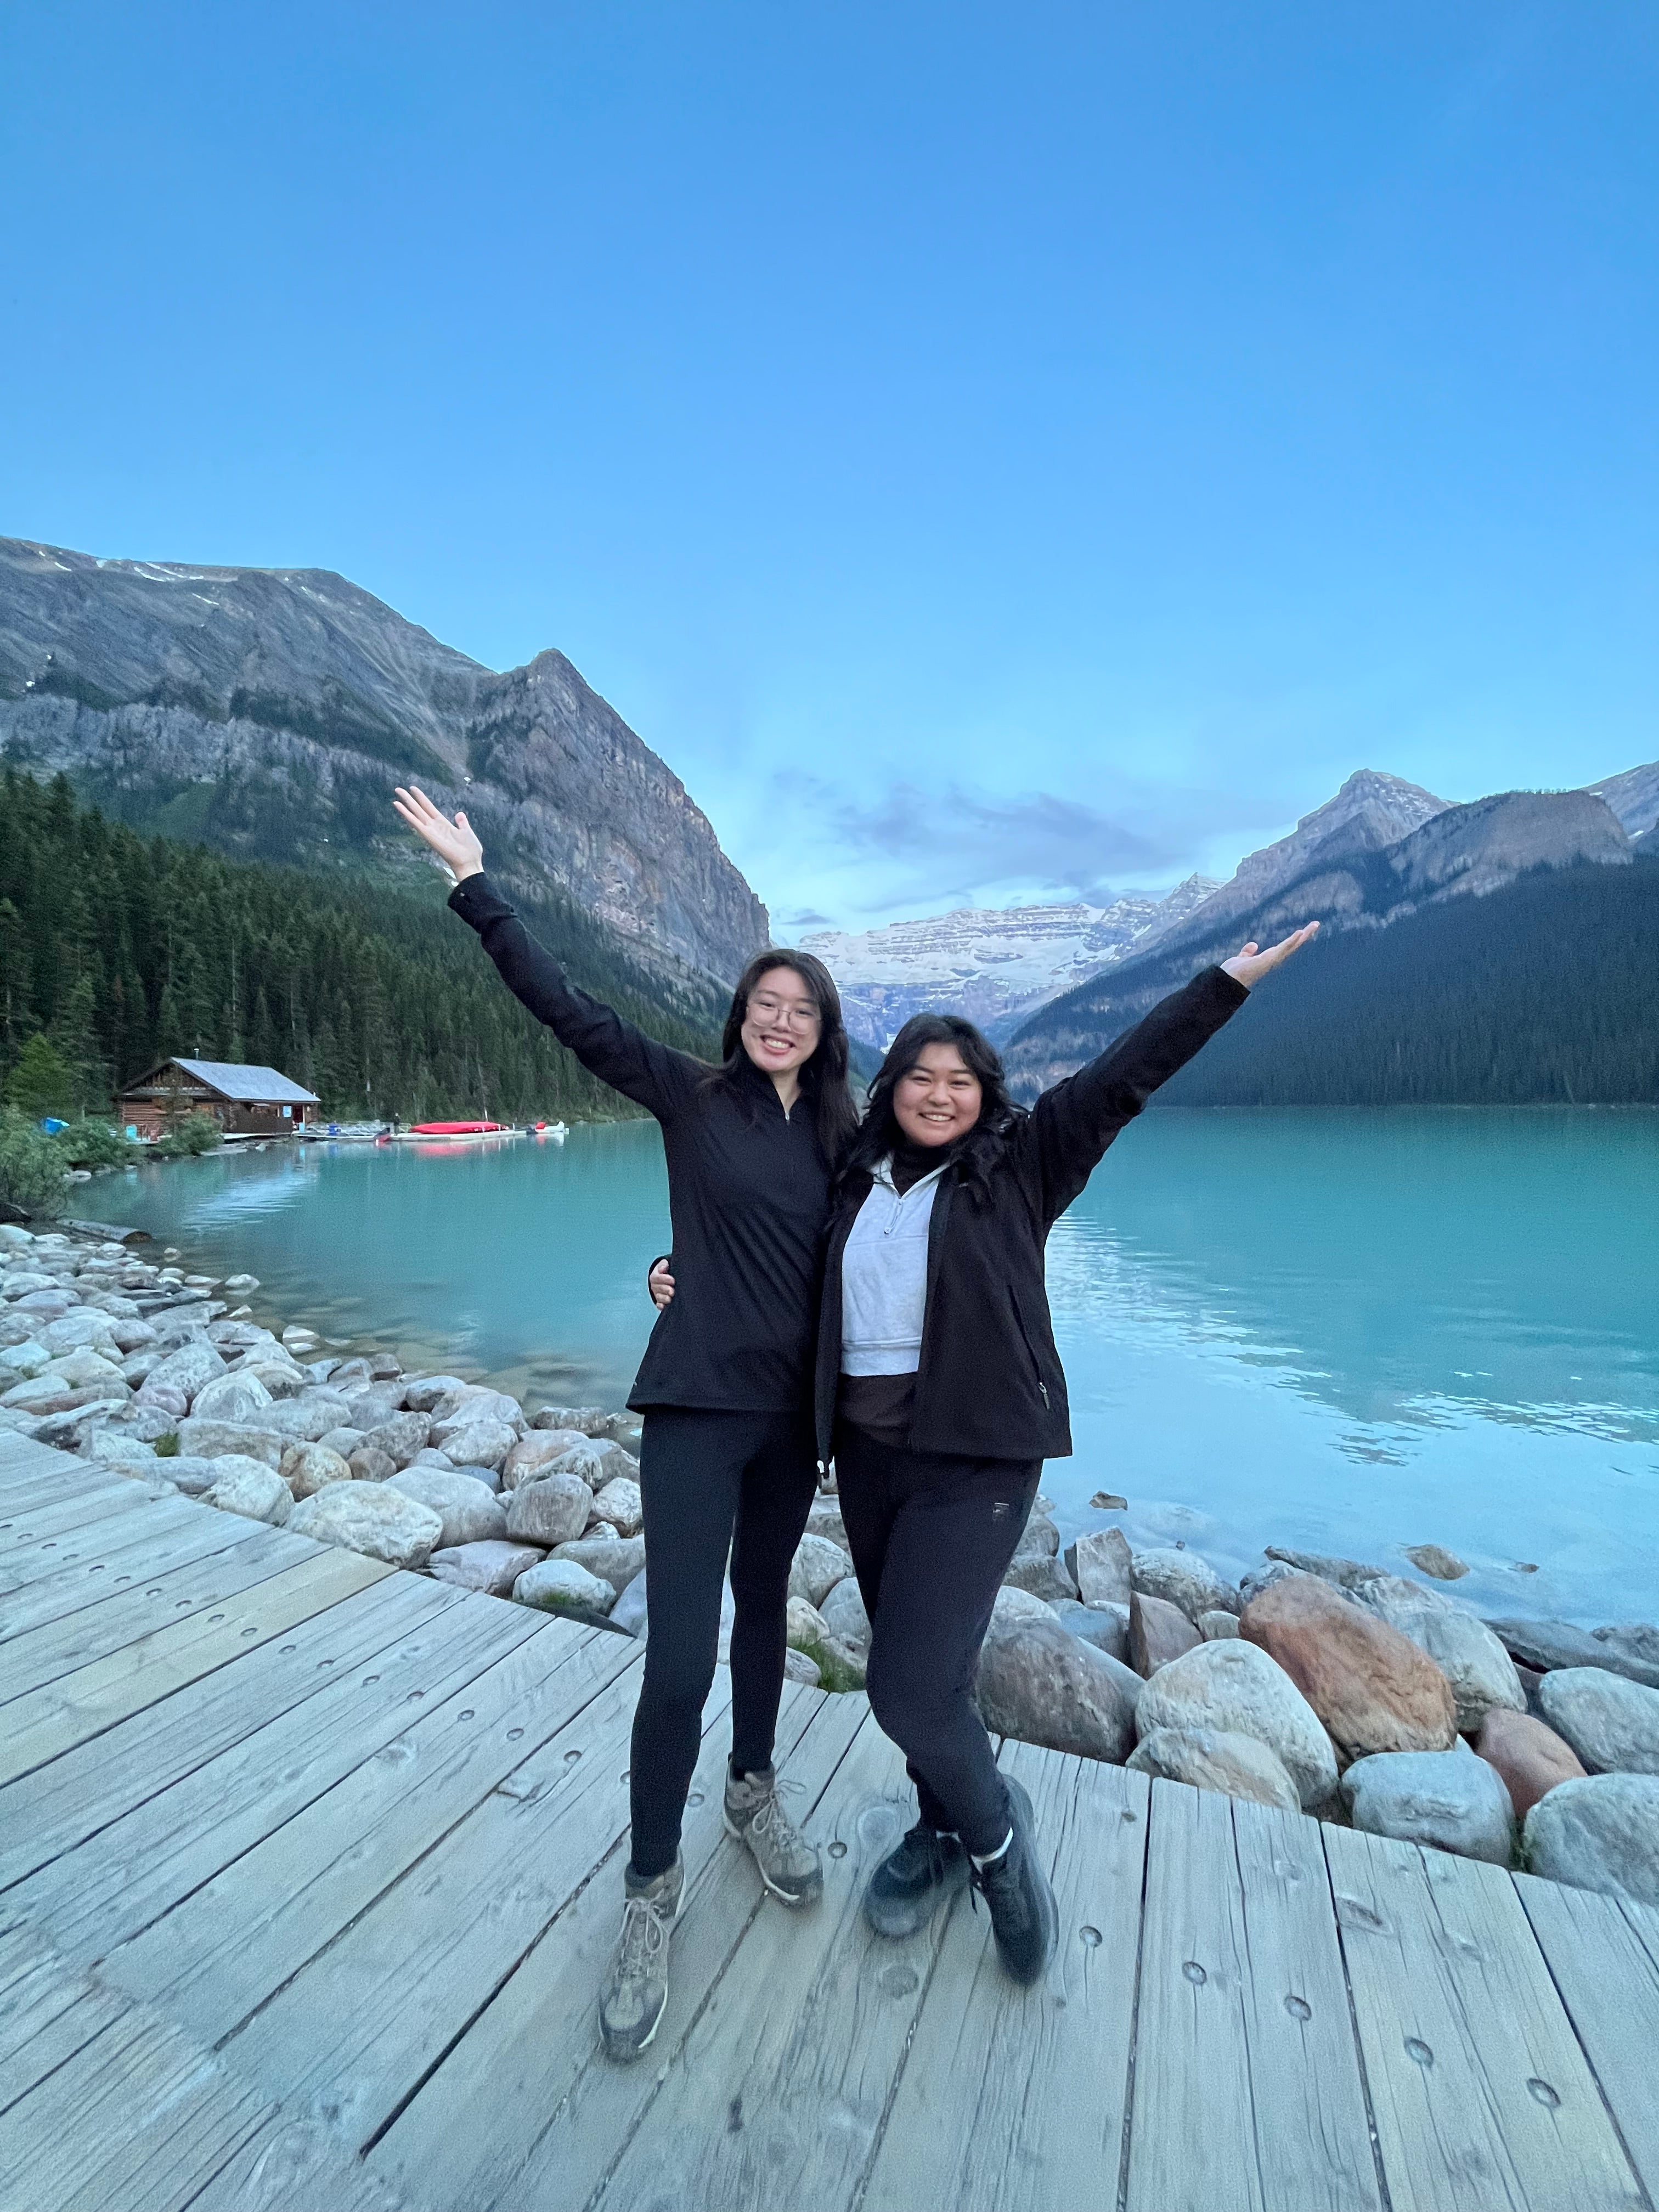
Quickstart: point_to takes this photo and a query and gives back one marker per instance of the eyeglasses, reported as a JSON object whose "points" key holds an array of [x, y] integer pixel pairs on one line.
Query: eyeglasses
{"points": [[798, 1016]]}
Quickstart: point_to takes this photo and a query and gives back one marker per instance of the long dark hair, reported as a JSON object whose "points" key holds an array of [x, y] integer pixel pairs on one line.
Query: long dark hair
{"points": [[823, 1077], [879, 1132]]}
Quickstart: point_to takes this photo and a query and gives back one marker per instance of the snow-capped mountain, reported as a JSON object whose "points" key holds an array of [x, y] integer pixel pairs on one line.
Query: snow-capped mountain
{"points": [[992, 964]]}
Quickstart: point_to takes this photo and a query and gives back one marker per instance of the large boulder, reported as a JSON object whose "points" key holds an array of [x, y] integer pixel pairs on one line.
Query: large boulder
{"points": [[307, 1468], [1611, 1723], [1100, 1567], [1105, 1626], [1345, 1574], [370, 1517], [1237, 1686], [844, 1614], [586, 1420], [308, 1417], [823, 1519], [1600, 1834], [1217, 1626], [1220, 1759], [489, 1565], [1480, 1671], [1371, 1687], [190, 1368], [369, 1464], [1636, 1640], [470, 1513], [1012, 1605], [246, 1486], [614, 1559], [597, 1463], [485, 1442], [474, 1402], [1041, 1685], [1038, 1535], [560, 1586], [1447, 1798], [1044, 1574], [817, 1566], [1158, 1631], [620, 1504], [631, 1611], [1529, 1758], [399, 1438], [82, 1327], [535, 1452], [213, 1439], [281, 1377], [231, 1398], [1184, 1579], [552, 1510], [189, 1473], [421, 1393], [1434, 1559], [1548, 1645]]}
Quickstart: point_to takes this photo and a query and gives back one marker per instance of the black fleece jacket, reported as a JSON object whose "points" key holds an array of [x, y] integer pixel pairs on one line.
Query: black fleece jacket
{"points": [[748, 1190], [990, 1384]]}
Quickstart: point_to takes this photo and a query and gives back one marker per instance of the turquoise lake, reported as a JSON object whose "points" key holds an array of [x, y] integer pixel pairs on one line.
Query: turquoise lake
{"points": [[1349, 1331]]}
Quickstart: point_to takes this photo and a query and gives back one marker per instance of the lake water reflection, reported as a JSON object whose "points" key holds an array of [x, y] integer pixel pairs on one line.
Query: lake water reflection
{"points": [[1346, 1330]]}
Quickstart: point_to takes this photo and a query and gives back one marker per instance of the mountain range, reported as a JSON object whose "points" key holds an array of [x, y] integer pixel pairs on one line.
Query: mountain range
{"points": [[268, 713]]}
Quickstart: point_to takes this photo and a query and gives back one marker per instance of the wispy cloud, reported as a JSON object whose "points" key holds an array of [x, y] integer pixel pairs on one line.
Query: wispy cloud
{"points": [[960, 841]]}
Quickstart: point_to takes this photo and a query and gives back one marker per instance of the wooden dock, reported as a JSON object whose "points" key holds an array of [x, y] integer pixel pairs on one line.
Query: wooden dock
{"points": [[308, 1870]]}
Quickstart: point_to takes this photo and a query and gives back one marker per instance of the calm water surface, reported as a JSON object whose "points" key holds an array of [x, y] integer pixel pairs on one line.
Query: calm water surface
{"points": [[1350, 1331]]}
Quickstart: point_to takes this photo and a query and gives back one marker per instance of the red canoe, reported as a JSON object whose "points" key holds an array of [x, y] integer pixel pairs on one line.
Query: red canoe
{"points": [[459, 1129]]}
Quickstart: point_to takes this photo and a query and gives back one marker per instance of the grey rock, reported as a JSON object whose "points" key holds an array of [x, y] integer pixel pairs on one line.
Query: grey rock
{"points": [[190, 1368], [535, 1451], [400, 1438], [1346, 1574], [429, 1455], [369, 1465], [1447, 1798], [1220, 1759], [1611, 1723], [552, 1510], [598, 1462], [370, 1517], [1044, 1574], [343, 1439], [800, 1667], [1015, 1604], [189, 1472], [470, 1513], [630, 1611], [310, 1417], [1600, 1834], [1100, 1567], [309, 1468], [1480, 1671], [489, 1476], [1040, 1685], [1105, 1626], [1545, 1644], [246, 1486], [1434, 1560], [282, 1379], [1631, 1639], [423, 1392], [213, 1439], [1184, 1579], [621, 1505], [481, 1443], [560, 1586], [617, 1560], [1039, 1538], [1236, 1688], [369, 1408], [586, 1420], [817, 1566], [1216, 1627], [1253, 1583], [490, 1566], [82, 1327], [113, 1447], [823, 1519], [231, 1398], [844, 1614], [475, 1403]]}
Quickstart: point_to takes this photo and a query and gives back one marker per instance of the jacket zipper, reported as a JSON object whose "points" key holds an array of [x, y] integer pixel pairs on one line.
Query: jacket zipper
{"points": [[1036, 1371]]}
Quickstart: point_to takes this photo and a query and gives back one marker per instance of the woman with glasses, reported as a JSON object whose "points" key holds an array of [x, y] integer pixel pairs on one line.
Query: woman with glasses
{"points": [[727, 1456]]}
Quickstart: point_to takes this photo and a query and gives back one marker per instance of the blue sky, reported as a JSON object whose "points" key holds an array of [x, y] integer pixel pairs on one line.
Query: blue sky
{"points": [[992, 453]]}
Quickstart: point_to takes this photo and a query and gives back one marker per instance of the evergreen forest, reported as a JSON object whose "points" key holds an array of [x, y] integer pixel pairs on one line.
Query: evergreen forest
{"points": [[118, 951]]}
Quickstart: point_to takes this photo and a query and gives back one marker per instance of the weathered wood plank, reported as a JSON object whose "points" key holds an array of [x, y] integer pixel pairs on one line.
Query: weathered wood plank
{"points": [[1016, 2097], [1192, 2137], [1307, 2088], [46, 2014], [103, 1569], [1481, 2095], [65, 1515], [296, 2165], [31, 1557], [58, 1806], [220, 1955], [150, 1859], [532, 2058], [241, 1558], [54, 1719], [1608, 1978], [352, 2036], [801, 2039]]}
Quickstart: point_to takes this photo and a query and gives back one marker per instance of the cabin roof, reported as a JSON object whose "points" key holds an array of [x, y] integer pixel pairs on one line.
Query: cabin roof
{"points": [[231, 1080]]}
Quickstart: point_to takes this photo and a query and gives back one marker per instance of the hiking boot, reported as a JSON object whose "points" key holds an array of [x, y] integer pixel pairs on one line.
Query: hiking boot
{"points": [[788, 1864], [1025, 1918], [635, 1990], [915, 1879]]}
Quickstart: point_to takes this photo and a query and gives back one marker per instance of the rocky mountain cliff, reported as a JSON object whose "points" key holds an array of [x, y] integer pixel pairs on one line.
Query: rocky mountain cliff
{"points": [[1347, 881], [269, 712], [1634, 796], [992, 964]]}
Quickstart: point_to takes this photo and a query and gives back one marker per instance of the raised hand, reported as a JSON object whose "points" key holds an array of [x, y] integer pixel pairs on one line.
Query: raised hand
{"points": [[1249, 966], [454, 842]]}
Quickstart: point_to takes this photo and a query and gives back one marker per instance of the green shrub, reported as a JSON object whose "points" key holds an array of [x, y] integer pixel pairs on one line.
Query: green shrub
{"points": [[197, 1134], [91, 1143], [31, 1165], [167, 1447]]}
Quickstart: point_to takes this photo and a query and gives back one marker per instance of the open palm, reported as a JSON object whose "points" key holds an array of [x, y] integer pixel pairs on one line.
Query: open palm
{"points": [[1249, 965], [455, 842]]}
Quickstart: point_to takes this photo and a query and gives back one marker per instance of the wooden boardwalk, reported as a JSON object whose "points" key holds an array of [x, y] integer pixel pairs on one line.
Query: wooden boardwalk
{"points": [[308, 1870]]}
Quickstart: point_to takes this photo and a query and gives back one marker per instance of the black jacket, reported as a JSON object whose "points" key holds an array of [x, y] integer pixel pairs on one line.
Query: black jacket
{"points": [[748, 1190], [990, 1384]]}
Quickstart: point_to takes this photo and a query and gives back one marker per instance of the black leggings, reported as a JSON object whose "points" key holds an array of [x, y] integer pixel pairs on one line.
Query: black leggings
{"points": [[711, 1481], [931, 1536]]}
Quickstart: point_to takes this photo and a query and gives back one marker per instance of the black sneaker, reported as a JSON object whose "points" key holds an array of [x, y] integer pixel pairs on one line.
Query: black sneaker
{"points": [[915, 1879], [1025, 1918]]}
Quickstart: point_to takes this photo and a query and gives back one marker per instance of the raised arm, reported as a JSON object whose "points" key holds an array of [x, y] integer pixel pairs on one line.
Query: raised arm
{"points": [[1072, 1125], [653, 1075]]}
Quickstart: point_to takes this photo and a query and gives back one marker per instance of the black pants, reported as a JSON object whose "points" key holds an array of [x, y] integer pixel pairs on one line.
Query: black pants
{"points": [[931, 1536], [708, 1481]]}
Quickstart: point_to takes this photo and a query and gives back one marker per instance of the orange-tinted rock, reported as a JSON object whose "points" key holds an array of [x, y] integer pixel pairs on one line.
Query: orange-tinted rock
{"points": [[1374, 1689], [1530, 1757], [1158, 1631]]}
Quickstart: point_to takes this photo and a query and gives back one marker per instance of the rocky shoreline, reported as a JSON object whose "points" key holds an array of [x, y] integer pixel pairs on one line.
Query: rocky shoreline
{"points": [[1318, 1684]]}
